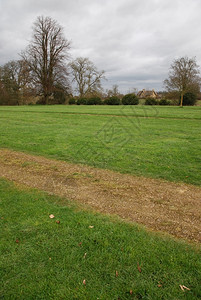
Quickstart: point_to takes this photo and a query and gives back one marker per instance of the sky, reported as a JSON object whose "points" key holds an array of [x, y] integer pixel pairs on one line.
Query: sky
{"points": [[133, 41]]}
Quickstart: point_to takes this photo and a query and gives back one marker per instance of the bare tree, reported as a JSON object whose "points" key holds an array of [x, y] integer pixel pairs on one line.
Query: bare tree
{"points": [[86, 76], [46, 56], [183, 77], [15, 81], [114, 91]]}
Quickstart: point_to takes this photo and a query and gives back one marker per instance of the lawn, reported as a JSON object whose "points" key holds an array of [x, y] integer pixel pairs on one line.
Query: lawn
{"points": [[158, 142], [191, 112], [86, 255]]}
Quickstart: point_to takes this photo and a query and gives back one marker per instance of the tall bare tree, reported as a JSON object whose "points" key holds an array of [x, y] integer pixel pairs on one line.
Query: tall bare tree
{"points": [[183, 77], [46, 56], [86, 76]]}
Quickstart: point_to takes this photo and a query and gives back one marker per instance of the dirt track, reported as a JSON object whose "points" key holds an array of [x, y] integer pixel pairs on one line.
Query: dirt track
{"points": [[160, 205]]}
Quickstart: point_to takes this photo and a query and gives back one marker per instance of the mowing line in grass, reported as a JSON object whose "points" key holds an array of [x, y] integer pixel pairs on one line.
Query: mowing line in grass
{"points": [[106, 114], [135, 111]]}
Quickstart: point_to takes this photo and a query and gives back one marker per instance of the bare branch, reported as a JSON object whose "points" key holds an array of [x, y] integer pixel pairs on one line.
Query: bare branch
{"points": [[86, 76], [46, 56], [183, 76]]}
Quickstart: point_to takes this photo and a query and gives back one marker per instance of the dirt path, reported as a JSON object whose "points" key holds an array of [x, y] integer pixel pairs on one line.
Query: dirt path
{"points": [[160, 205]]}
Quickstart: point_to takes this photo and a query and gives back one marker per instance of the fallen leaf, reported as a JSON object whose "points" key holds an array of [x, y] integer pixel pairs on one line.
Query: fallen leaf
{"points": [[84, 282], [131, 292], [49, 258], [139, 269], [186, 288], [85, 255], [91, 226], [57, 221], [17, 241], [51, 216], [117, 274], [159, 285], [80, 244], [182, 287]]}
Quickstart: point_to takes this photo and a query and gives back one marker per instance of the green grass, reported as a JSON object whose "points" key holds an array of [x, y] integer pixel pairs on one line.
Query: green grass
{"points": [[49, 261], [122, 110], [167, 145]]}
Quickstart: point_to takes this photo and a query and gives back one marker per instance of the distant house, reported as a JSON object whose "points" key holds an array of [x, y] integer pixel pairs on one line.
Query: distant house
{"points": [[146, 94]]}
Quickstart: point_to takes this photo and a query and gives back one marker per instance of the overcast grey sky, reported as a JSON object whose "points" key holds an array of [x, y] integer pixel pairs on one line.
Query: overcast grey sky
{"points": [[134, 41]]}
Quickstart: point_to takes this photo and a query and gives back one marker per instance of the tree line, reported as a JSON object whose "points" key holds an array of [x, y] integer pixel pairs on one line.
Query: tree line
{"points": [[45, 74], [44, 71]]}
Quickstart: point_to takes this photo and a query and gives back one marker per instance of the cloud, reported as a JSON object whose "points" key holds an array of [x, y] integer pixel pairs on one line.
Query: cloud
{"points": [[134, 41]]}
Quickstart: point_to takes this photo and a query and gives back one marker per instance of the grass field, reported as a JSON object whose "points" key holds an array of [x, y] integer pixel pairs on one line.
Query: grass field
{"points": [[191, 112], [158, 142], [41, 259]]}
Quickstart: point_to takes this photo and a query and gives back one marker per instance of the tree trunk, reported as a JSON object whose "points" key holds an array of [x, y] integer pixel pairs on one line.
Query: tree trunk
{"points": [[45, 99], [181, 101]]}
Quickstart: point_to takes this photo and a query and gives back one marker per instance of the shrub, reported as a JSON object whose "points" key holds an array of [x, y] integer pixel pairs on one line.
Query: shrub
{"points": [[59, 96], [41, 101], [113, 100], [130, 99], [189, 99], [94, 101], [151, 101], [81, 101], [164, 102], [72, 101]]}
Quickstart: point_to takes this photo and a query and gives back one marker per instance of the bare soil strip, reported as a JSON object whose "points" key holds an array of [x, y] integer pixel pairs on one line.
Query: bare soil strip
{"points": [[160, 205]]}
